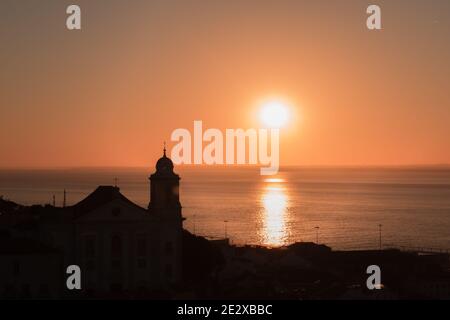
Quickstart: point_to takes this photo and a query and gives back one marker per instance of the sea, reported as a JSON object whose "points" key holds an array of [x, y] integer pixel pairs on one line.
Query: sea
{"points": [[343, 207]]}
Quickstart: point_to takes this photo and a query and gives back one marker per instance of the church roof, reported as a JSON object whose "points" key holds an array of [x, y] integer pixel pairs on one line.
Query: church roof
{"points": [[101, 196]]}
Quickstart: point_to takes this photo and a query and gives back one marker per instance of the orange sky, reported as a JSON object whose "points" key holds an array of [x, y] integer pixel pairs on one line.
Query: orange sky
{"points": [[108, 95]]}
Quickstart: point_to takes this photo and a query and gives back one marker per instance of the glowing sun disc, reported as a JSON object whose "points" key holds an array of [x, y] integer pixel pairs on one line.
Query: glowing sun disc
{"points": [[274, 114]]}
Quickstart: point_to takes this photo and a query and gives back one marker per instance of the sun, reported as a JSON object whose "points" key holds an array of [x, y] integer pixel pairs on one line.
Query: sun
{"points": [[274, 114]]}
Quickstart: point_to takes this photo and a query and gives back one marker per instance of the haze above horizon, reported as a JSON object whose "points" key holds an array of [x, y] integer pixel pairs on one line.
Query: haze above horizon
{"points": [[110, 94]]}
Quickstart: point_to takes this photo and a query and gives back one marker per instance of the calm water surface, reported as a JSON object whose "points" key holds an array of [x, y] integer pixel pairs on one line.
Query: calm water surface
{"points": [[341, 207]]}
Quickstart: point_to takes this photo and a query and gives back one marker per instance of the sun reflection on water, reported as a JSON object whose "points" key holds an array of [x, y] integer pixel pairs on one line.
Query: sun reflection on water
{"points": [[274, 213]]}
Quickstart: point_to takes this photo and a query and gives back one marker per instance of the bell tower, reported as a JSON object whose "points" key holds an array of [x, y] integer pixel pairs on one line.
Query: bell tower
{"points": [[164, 189], [165, 207]]}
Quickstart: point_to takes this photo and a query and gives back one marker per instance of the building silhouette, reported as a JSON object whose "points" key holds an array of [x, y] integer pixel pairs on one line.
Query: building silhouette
{"points": [[121, 248], [126, 251]]}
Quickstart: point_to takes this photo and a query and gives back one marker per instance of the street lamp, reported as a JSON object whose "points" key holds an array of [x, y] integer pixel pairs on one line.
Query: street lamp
{"points": [[194, 223], [317, 234], [225, 224], [379, 231]]}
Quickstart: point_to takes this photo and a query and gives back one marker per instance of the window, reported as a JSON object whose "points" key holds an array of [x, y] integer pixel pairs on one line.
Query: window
{"points": [[142, 287], [25, 292], [168, 271], [116, 287], [153, 249], [116, 264], [116, 251], [89, 246], [44, 291], [141, 246], [142, 263], [90, 265], [116, 245], [175, 193], [169, 247], [115, 211], [16, 268], [9, 291], [50, 239], [90, 292]]}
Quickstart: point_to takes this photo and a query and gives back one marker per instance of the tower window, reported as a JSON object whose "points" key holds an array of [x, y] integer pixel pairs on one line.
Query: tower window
{"points": [[168, 247], [142, 246]]}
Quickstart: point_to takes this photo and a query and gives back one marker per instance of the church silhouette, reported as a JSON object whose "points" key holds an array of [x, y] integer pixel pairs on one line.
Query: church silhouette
{"points": [[121, 248]]}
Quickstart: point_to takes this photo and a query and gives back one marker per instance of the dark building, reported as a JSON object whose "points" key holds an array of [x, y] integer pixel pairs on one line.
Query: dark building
{"points": [[121, 248]]}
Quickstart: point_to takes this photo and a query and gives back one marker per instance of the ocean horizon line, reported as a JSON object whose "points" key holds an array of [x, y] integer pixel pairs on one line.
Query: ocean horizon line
{"points": [[241, 166]]}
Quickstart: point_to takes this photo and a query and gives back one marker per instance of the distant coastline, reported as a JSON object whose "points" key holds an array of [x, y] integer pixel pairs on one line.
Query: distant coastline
{"points": [[212, 167]]}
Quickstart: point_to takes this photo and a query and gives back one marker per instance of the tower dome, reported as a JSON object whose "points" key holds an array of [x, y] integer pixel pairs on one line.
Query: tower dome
{"points": [[164, 186], [164, 164]]}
